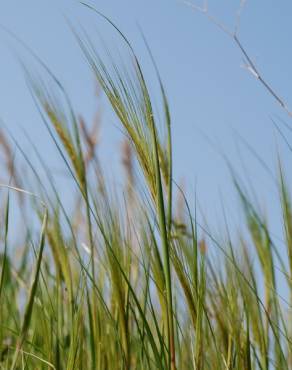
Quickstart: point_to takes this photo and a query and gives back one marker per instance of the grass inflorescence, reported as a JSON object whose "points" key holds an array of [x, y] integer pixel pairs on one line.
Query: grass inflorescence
{"points": [[128, 282]]}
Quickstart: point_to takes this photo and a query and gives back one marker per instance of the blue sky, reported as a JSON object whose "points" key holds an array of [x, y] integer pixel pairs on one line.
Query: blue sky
{"points": [[209, 93]]}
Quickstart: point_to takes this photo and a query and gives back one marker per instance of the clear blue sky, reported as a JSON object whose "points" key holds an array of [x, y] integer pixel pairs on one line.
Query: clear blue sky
{"points": [[208, 90]]}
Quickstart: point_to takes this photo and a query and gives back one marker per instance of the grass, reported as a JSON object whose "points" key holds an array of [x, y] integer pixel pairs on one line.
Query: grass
{"points": [[126, 281]]}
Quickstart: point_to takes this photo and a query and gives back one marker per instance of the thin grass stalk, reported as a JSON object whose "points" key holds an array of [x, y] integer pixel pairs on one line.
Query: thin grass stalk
{"points": [[3, 271], [31, 299], [166, 251]]}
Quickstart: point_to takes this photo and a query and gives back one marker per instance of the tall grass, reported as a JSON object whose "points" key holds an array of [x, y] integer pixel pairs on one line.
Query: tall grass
{"points": [[128, 281]]}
